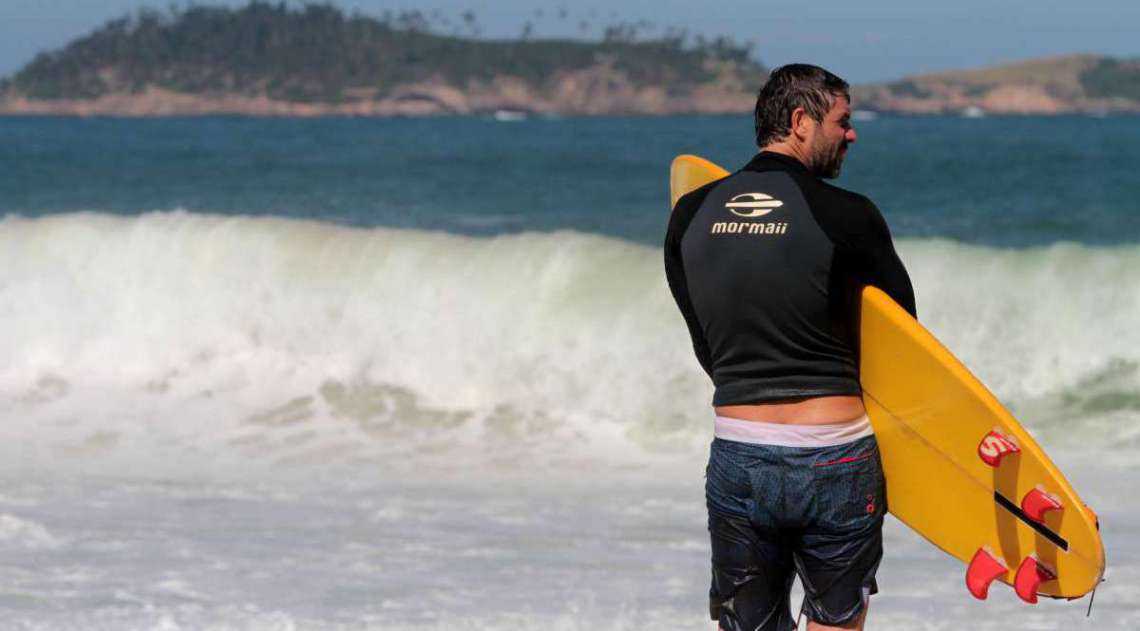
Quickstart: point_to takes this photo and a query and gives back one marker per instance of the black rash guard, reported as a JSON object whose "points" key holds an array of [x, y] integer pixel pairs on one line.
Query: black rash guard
{"points": [[766, 266]]}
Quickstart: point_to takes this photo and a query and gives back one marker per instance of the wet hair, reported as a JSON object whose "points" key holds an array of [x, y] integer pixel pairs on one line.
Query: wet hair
{"points": [[789, 87]]}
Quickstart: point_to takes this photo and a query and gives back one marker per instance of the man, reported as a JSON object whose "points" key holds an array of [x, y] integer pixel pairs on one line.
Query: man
{"points": [[794, 481]]}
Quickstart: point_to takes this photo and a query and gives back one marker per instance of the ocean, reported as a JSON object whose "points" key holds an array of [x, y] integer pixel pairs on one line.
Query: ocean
{"points": [[426, 373]]}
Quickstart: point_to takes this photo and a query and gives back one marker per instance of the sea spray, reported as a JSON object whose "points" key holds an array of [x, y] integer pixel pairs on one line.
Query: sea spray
{"points": [[179, 335]]}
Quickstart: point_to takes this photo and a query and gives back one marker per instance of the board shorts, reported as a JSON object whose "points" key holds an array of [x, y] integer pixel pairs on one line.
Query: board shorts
{"points": [[776, 512]]}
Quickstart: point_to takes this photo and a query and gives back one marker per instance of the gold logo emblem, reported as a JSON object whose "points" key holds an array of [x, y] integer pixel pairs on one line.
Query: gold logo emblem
{"points": [[752, 204]]}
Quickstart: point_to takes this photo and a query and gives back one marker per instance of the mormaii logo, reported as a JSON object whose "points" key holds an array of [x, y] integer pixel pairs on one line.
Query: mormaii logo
{"points": [[752, 204]]}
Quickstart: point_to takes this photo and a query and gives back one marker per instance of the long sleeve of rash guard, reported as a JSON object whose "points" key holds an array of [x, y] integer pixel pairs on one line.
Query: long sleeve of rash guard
{"points": [[863, 241], [683, 214]]}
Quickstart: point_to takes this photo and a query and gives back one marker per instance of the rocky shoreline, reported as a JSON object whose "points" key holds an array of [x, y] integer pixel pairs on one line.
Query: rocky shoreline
{"points": [[1012, 99], [1039, 87], [445, 100], [593, 91]]}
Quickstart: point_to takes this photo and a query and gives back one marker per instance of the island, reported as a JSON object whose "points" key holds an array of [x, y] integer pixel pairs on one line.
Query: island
{"points": [[267, 59], [273, 59]]}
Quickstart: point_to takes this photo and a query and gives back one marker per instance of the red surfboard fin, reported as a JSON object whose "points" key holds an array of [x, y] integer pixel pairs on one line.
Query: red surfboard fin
{"points": [[1037, 502], [1029, 577], [984, 568], [995, 446]]}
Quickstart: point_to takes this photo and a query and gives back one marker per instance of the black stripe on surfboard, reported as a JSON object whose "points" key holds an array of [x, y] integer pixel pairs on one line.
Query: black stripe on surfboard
{"points": [[1057, 540]]}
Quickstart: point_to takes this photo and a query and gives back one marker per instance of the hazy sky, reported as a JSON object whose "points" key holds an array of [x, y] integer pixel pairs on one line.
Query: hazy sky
{"points": [[862, 40]]}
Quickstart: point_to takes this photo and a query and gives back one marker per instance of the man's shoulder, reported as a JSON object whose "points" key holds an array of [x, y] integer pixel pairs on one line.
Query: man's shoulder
{"points": [[845, 216], [696, 197], [835, 195], [685, 209]]}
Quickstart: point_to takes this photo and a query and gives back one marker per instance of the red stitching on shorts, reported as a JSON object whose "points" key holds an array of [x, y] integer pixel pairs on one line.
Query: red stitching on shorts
{"points": [[842, 460]]}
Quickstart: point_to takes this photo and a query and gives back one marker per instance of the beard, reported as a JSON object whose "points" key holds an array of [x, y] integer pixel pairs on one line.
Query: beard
{"points": [[827, 157]]}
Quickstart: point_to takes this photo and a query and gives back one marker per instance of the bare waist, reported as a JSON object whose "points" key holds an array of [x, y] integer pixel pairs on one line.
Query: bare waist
{"points": [[809, 411]]}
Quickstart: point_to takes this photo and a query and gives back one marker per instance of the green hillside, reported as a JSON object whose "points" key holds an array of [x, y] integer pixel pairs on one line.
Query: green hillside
{"points": [[317, 53], [1113, 78], [1064, 84]]}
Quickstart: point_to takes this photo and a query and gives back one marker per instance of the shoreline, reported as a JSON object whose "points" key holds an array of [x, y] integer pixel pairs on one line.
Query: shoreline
{"points": [[509, 116], [193, 106], [510, 99]]}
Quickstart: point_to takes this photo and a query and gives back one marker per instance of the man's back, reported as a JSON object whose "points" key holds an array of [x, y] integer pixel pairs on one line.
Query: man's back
{"points": [[766, 265]]}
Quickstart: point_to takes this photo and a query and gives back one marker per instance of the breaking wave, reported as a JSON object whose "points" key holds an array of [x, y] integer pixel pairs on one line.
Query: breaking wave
{"points": [[174, 335]]}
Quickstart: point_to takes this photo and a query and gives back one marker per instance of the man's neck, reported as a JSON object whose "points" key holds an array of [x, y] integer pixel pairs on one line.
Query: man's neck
{"points": [[792, 151]]}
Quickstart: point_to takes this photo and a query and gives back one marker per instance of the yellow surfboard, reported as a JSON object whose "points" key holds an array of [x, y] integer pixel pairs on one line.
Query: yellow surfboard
{"points": [[961, 471]]}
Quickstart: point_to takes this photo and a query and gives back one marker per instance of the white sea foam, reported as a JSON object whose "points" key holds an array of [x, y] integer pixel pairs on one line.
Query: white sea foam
{"points": [[532, 553], [187, 336], [26, 533]]}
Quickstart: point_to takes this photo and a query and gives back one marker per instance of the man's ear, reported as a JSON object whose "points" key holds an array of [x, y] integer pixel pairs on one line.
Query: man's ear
{"points": [[800, 123]]}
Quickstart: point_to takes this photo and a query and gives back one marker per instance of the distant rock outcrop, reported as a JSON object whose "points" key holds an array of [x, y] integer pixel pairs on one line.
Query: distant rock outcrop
{"points": [[1056, 85]]}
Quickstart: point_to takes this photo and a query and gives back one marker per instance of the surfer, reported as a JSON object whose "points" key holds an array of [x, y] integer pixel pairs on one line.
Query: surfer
{"points": [[794, 483]]}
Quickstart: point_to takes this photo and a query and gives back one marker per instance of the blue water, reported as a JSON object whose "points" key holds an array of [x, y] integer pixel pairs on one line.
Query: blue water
{"points": [[1006, 181], [461, 378], [182, 234]]}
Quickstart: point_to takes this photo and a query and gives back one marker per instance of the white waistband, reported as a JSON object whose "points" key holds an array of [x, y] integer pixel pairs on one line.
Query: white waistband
{"points": [[784, 435]]}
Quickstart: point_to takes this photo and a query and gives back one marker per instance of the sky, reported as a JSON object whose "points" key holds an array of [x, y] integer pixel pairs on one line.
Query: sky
{"points": [[863, 41]]}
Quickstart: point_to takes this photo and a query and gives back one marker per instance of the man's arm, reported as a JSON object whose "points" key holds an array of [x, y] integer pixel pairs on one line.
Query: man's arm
{"points": [[862, 240], [683, 214], [872, 246]]}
